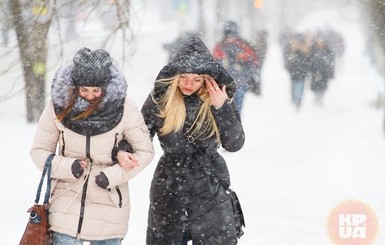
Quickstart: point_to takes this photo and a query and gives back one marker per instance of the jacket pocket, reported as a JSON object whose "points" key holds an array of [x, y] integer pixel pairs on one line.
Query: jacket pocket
{"points": [[118, 196]]}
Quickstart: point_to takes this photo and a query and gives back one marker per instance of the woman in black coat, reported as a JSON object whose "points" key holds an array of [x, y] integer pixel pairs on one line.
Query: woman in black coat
{"points": [[297, 64], [322, 68], [191, 105]]}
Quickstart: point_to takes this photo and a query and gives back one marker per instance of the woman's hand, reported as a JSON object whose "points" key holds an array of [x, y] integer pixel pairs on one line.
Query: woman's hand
{"points": [[83, 163], [127, 160], [218, 96]]}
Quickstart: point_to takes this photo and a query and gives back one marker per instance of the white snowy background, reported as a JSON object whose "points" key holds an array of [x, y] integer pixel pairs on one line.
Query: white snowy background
{"points": [[295, 167]]}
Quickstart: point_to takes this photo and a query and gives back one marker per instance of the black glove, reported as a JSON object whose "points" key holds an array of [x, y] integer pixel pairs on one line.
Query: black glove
{"points": [[122, 146], [77, 169], [102, 180]]}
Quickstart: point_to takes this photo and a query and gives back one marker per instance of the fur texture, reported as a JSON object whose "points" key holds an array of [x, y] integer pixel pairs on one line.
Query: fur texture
{"points": [[63, 83]]}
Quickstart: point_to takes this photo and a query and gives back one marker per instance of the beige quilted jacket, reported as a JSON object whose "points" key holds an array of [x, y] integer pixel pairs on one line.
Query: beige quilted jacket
{"points": [[106, 212]]}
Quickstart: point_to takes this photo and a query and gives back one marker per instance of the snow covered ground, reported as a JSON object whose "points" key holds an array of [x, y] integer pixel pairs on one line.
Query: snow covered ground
{"points": [[295, 167]]}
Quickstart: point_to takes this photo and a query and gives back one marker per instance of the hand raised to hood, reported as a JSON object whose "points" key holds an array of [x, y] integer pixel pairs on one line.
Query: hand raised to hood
{"points": [[218, 96]]}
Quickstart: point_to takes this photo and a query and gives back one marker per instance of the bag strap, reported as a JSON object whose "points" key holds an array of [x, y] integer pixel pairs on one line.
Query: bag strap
{"points": [[46, 171], [191, 140]]}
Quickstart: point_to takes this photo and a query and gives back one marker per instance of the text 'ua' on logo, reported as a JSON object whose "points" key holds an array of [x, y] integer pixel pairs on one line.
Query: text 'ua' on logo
{"points": [[352, 222]]}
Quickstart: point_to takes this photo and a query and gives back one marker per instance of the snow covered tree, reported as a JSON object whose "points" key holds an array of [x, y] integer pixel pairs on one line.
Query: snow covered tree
{"points": [[31, 29], [32, 20]]}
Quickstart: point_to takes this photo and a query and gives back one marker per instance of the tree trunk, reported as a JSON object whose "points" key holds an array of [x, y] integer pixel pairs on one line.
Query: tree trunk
{"points": [[33, 52]]}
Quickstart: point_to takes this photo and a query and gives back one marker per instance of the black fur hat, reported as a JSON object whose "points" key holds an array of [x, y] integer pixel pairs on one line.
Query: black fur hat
{"points": [[194, 57], [92, 68]]}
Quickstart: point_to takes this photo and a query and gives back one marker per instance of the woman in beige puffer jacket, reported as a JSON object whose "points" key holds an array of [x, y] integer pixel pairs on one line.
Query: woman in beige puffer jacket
{"points": [[89, 195]]}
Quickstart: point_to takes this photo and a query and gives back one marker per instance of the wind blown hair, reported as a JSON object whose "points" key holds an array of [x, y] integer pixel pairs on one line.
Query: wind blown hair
{"points": [[173, 110], [71, 103]]}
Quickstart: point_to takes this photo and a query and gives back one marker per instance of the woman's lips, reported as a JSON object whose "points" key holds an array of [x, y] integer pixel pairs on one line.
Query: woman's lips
{"points": [[186, 90], [92, 101]]}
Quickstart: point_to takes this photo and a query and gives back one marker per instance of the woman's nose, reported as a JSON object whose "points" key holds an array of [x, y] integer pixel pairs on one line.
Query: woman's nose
{"points": [[188, 83], [90, 96]]}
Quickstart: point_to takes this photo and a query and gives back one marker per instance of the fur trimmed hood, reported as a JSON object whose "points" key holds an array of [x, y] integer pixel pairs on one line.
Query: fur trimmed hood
{"points": [[63, 82], [110, 111]]}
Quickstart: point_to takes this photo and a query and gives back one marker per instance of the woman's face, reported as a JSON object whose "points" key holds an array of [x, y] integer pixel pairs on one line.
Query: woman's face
{"points": [[91, 94], [190, 83]]}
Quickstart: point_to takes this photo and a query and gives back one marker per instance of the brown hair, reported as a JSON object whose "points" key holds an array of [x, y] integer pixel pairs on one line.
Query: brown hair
{"points": [[71, 103]]}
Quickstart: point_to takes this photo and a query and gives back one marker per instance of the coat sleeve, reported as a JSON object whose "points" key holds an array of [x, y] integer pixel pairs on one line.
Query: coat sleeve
{"points": [[137, 135], [230, 127], [149, 111], [45, 143]]}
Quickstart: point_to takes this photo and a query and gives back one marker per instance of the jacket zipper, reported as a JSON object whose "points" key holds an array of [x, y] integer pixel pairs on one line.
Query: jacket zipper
{"points": [[116, 140], [63, 143], [120, 196], [84, 192], [117, 187]]}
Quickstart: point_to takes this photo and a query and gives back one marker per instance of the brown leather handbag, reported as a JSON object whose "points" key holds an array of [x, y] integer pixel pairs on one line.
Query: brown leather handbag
{"points": [[38, 231]]}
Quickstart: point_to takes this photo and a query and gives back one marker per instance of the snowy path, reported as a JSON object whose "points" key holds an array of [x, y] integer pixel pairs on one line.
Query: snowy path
{"points": [[295, 167]]}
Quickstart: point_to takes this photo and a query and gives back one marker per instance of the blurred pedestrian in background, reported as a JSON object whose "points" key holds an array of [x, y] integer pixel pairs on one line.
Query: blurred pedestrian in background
{"points": [[297, 54], [239, 58], [322, 61], [261, 44]]}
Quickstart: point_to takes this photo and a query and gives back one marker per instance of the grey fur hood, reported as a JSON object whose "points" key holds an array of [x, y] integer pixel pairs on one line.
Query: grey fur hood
{"points": [[110, 111], [63, 83]]}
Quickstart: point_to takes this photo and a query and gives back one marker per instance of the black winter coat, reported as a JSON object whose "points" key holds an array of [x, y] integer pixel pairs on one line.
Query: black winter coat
{"points": [[183, 197], [322, 68], [298, 65]]}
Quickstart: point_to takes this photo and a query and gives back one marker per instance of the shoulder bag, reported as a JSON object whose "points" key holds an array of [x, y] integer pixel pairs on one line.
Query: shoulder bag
{"points": [[38, 231], [238, 213]]}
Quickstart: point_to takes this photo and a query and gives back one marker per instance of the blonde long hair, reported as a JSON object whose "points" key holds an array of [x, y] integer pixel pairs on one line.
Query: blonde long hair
{"points": [[173, 111]]}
